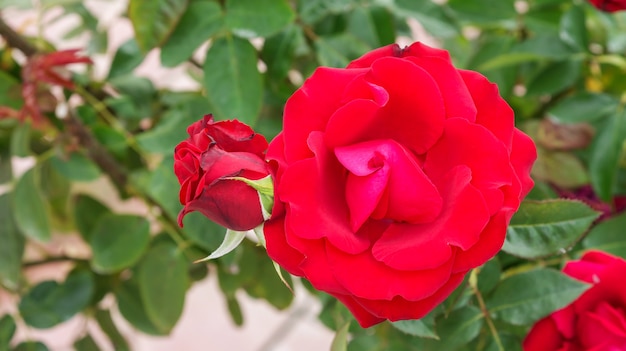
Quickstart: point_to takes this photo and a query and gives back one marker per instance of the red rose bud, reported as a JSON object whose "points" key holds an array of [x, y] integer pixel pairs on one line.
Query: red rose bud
{"points": [[609, 5], [218, 168], [394, 178], [594, 321]]}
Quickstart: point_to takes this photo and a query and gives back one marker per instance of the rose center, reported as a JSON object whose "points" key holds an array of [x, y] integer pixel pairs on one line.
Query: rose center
{"points": [[386, 181]]}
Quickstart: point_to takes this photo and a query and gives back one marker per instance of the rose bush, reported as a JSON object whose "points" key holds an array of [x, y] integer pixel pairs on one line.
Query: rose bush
{"points": [[609, 5], [205, 164], [394, 177], [597, 319]]}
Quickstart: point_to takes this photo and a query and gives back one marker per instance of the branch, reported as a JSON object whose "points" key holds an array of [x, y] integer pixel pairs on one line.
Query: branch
{"points": [[15, 40], [95, 150]]}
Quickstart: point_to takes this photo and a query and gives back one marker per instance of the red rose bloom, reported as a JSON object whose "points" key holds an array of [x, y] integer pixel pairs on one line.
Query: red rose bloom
{"points": [[609, 5], [215, 152], [597, 319], [394, 178]]}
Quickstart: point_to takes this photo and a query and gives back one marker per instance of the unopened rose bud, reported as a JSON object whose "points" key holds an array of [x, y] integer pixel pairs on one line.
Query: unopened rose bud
{"points": [[217, 167]]}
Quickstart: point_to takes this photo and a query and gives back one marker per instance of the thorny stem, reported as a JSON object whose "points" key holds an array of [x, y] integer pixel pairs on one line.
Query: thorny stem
{"points": [[473, 282]]}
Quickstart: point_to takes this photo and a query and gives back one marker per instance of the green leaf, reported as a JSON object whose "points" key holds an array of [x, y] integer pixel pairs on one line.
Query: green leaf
{"points": [[432, 16], [608, 236], [484, 11], [543, 228], [29, 208], [86, 343], [76, 167], [538, 48], [583, 107], [314, 10], [87, 212], [279, 51], [20, 140], [423, 328], [56, 191], [31, 346], [340, 341], [7, 330], [127, 57], [258, 18], [6, 167], [171, 130], [509, 343], [232, 81], [131, 306], [235, 310], [163, 280], [118, 241], [522, 299], [161, 184], [555, 77], [10, 91], [607, 152], [362, 25], [339, 50], [489, 276], [154, 20], [202, 20], [573, 30], [12, 247], [110, 329], [460, 327], [202, 232], [50, 303], [563, 169]]}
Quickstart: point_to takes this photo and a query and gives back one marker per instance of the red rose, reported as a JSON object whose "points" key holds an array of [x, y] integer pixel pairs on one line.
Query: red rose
{"points": [[205, 163], [609, 5], [394, 178], [597, 319]]}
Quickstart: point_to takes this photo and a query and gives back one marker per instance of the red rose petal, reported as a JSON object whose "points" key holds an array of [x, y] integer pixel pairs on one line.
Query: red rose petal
{"points": [[353, 122], [427, 246], [218, 163], [365, 318], [597, 333], [222, 202], [544, 336], [314, 189], [472, 145], [310, 107], [365, 277], [415, 113], [418, 49], [565, 321], [456, 96], [590, 266], [400, 308], [366, 60], [278, 249], [490, 242], [523, 155], [234, 136], [493, 112]]}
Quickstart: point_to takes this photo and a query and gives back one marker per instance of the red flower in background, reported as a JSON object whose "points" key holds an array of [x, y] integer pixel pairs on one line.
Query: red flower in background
{"points": [[597, 319], [609, 5], [394, 178], [205, 163]]}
